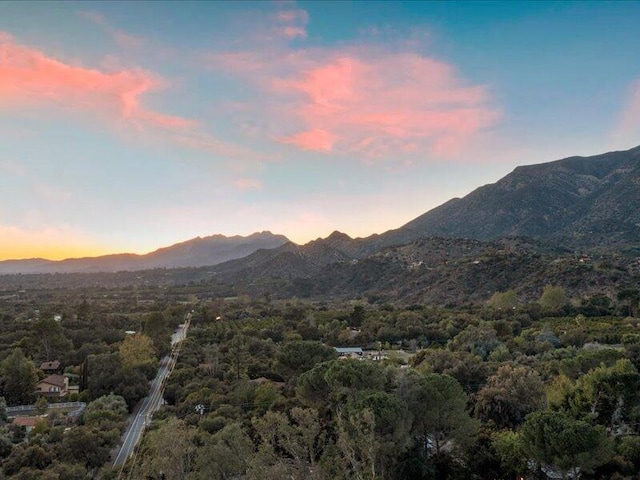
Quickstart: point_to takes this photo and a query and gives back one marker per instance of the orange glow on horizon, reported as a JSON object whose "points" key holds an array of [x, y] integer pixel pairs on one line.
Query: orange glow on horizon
{"points": [[49, 243], [49, 251]]}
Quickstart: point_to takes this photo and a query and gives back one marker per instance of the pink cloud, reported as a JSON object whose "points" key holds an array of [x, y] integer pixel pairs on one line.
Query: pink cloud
{"points": [[368, 100], [630, 118], [379, 102], [294, 32], [316, 139], [28, 77]]}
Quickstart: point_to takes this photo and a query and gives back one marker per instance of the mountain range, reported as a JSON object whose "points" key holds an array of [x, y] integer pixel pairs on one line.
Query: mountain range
{"points": [[196, 252], [577, 204]]}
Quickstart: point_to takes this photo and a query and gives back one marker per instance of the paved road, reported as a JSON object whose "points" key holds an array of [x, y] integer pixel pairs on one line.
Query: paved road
{"points": [[143, 412]]}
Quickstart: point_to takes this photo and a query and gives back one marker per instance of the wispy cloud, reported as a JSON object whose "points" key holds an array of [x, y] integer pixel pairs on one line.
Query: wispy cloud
{"points": [[120, 37], [370, 99], [630, 117], [292, 23], [29, 79], [315, 139]]}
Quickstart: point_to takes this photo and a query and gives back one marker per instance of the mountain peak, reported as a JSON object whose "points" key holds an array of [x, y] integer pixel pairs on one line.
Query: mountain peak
{"points": [[583, 201], [337, 235]]}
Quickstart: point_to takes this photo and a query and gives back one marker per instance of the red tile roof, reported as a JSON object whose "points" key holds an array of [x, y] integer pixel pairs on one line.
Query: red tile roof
{"points": [[26, 421]]}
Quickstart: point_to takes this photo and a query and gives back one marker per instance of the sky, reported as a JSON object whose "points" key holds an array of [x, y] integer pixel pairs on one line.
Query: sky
{"points": [[129, 126]]}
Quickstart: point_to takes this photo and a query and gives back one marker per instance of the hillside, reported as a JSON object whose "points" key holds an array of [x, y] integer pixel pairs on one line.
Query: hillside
{"points": [[432, 270], [582, 202]]}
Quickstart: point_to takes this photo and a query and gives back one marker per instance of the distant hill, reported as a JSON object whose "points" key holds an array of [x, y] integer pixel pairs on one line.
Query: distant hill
{"points": [[292, 261], [581, 202], [196, 252]]}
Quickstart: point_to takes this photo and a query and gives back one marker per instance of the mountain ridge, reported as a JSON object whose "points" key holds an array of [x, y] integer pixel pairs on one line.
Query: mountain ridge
{"points": [[195, 252], [564, 201], [581, 203]]}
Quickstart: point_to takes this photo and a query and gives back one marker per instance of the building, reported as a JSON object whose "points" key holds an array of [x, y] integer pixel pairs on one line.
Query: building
{"points": [[51, 368], [53, 386], [349, 352], [27, 422]]}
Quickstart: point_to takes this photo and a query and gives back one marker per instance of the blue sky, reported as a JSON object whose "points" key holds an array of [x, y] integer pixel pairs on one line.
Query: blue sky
{"points": [[127, 126]]}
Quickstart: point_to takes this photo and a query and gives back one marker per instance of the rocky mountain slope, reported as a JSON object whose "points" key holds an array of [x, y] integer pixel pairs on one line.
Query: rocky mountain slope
{"points": [[582, 202], [196, 252]]}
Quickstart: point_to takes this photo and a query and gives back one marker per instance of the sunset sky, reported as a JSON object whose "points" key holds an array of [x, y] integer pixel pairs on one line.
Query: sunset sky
{"points": [[128, 126]]}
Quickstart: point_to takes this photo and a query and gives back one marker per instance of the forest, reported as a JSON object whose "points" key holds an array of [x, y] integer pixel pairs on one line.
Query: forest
{"points": [[263, 390]]}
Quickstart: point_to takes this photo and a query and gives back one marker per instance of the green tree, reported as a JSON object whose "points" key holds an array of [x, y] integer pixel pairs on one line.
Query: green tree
{"points": [[5, 443], [510, 395], [157, 328], [294, 440], [169, 451], [345, 378], [105, 375], [479, 340], [606, 395], [567, 445], [20, 378], [225, 455], [137, 351], [357, 316], [505, 301], [468, 369], [392, 426], [49, 339], [438, 405], [298, 356], [509, 448], [359, 444], [89, 446], [553, 298], [106, 412], [630, 297], [3, 410], [27, 457], [41, 405]]}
